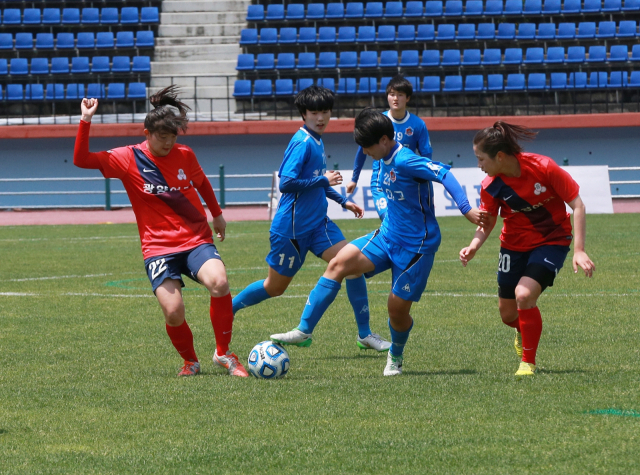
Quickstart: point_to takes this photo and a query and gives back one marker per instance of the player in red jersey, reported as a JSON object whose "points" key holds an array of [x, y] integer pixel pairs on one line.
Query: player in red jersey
{"points": [[530, 192], [162, 180]]}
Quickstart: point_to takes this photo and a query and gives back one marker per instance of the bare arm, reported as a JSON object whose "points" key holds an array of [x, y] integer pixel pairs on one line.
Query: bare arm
{"points": [[480, 236], [580, 257]]}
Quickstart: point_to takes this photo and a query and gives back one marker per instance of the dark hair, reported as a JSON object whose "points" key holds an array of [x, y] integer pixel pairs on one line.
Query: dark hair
{"points": [[502, 137], [371, 126], [163, 118], [400, 84], [314, 98]]}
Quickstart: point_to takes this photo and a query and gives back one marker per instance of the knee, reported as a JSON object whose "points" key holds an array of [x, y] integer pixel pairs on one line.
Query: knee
{"points": [[274, 290], [218, 286], [173, 314], [336, 269], [524, 298]]}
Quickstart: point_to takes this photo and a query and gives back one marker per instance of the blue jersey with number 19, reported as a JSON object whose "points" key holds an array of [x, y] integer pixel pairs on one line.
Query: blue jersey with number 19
{"points": [[406, 181]]}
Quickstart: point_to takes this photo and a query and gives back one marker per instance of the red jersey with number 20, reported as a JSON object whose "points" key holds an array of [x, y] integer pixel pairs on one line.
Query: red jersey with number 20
{"points": [[162, 191], [533, 204]]}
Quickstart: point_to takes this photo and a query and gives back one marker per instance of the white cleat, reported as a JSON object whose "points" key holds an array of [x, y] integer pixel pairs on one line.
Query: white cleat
{"points": [[374, 342], [394, 365], [294, 337]]}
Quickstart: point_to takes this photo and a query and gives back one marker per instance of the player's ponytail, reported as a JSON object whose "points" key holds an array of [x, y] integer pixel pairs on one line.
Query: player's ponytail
{"points": [[502, 137], [169, 114]]}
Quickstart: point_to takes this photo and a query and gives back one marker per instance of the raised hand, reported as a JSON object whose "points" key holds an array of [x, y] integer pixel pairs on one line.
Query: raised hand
{"points": [[88, 107]]}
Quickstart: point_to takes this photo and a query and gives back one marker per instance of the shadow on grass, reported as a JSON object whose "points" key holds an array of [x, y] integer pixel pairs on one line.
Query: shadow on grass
{"points": [[452, 372], [560, 371], [3, 431], [354, 357]]}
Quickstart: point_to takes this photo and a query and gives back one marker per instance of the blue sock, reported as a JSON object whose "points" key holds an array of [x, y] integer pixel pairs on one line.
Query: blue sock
{"points": [[253, 294], [357, 293], [398, 340], [319, 300]]}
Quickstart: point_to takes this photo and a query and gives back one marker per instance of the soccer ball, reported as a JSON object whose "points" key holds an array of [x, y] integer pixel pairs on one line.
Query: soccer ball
{"points": [[268, 360]]}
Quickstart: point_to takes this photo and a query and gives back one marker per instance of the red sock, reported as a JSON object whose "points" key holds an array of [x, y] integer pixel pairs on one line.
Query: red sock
{"points": [[531, 325], [514, 324], [221, 312], [182, 340]]}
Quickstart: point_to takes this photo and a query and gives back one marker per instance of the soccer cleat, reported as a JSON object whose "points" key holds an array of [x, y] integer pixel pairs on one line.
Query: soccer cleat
{"points": [[294, 337], [525, 369], [394, 365], [373, 342], [518, 344], [190, 368], [230, 363]]}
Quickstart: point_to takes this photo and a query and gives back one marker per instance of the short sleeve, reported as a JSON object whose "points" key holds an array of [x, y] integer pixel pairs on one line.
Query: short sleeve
{"points": [[562, 182], [294, 158]]}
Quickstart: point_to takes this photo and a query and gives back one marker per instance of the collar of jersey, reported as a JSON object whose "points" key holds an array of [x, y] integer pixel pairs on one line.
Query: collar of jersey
{"points": [[311, 134], [394, 151], [395, 121]]}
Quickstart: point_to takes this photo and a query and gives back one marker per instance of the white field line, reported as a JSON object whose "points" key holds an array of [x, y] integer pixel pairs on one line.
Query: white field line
{"points": [[55, 277], [90, 238]]}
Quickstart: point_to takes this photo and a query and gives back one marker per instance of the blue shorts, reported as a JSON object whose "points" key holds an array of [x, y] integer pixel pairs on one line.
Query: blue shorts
{"points": [[379, 201], [542, 264], [287, 255], [409, 270], [172, 266]]}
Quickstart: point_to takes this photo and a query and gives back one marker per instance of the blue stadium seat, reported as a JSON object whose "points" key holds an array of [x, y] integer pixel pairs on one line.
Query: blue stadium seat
{"points": [[24, 40], [486, 31], [474, 83], [348, 59], [512, 56], [373, 10], [96, 91], [34, 92], [534, 56], [79, 65], [430, 84], [288, 36], [384, 82], [551, 7], [606, 29], [452, 84], [327, 83], [491, 57], [109, 16], [366, 34], [597, 80], [105, 39], [100, 64], [386, 33], [354, 10], [409, 59], [347, 34], [617, 79], [75, 91], [327, 60], [129, 16], [635, 53], [11, 16], [586, 30], [473, 8], [145, 39], [453, 8], [15, 92], [627, 29], [39, 66], [4, 68], [450, 57], [6, 41], [327, 34], [368, 59], [406, 33], [31, 16], [546, 31], [51, 16], [575, 54], [393, 10], [446, 32], [1, 93], [307, 35], [495, 82], [65, 41], [513, 7], [536, 81], [555, 55], [389, 59], [284, 87], [346, 86], [414, 9], [430, 57], [90, 16], [526, 31], [306, 61], [631, 6], [515, 82], [532, 7], [335, 11], [414, 81], [266, 61], [571, 6], [466, 31], [493, 8], [55, 91], [44, 41], [634, 79], [61, 65], [255, 13], [295, 11], [433, 9], [315, 11], [506, 31], [275, 11], [71, 16], [597, 54], [611, 6], [425, 32], [262, 88], [269, 36], [619, 53], [149, 15], [241, 88], [115, 91], [19, 67], [141, 64], [592, 6], [471, 57], [137, 90], [245, 62], [367, 86], [577, 80], [248, 36], [85, 40], [124, 39], [558, 81], [566, 31]]}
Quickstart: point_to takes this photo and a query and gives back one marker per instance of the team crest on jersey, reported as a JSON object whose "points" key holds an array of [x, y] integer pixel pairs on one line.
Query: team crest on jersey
{"points": [[538, 188], [392, 175], [181, 175], [408, 132]]}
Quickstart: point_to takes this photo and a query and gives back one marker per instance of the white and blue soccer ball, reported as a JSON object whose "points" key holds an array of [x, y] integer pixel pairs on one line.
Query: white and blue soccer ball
{"points": [[268, 360]]}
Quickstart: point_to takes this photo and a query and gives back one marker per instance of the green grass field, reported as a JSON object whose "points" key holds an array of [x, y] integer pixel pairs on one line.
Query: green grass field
{"points": [[88, 380]]}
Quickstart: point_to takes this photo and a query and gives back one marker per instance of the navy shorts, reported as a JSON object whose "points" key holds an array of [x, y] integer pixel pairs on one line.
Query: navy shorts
{"points": [[172, 266], [541, 264], [287, 255]]}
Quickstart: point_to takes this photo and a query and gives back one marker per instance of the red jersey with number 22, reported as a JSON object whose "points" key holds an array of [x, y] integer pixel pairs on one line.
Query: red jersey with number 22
{"points": [[533, 204]]}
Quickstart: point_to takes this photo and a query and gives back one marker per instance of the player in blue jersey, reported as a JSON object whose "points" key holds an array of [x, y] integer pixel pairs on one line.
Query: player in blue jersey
{"points": [[409, 130], [301, 223], [406, 241]]}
